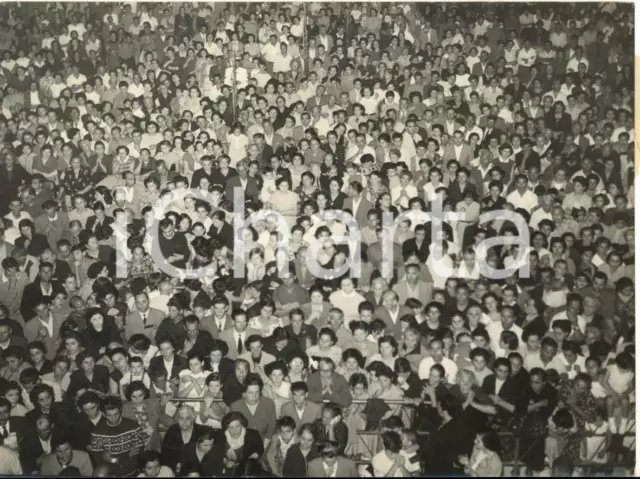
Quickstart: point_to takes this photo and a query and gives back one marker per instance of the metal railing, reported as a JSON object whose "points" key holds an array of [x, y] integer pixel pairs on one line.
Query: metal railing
{"points": [[515, 463]]}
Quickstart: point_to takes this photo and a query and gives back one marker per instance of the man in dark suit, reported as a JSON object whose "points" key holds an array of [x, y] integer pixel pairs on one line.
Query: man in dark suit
{"points": [[243, 180], [220, 230], [9, 424], [206, 171], [34, 292], [357, 203], [167, 359], [12, 177], [99, 221], [417, 245], [32, 445], [442, 450]]}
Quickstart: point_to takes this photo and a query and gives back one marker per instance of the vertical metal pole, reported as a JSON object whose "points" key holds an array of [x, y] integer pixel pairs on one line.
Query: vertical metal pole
{"points": [[305, 49], [234, 87]]}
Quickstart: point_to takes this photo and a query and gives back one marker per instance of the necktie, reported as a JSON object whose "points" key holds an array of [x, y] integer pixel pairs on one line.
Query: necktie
{"points": [[329, 471], [144, 319], [239, 343], [3, 431]]}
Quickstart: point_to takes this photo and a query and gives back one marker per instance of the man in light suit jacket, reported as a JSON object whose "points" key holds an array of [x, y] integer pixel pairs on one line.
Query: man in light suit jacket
{"points": [[412, 287], [390, 312], [357, 203], [459, 150], [238, 332], [36, 329], [311, 411], [330, 464], [145, 320]]}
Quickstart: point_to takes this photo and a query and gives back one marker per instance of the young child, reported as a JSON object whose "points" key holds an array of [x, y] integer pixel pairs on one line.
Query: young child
{"points": [[619, 383], [268, 185], [594, 448], [140, 346], [213, 411], [162, 387], [136, 373]]}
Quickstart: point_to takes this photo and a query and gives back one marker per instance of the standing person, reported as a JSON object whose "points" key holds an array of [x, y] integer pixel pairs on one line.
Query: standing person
{"points": [[117, 440]]}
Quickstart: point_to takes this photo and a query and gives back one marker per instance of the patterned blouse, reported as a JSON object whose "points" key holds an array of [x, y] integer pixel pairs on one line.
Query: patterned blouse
{"points": [[144, 269], [74, 183]]}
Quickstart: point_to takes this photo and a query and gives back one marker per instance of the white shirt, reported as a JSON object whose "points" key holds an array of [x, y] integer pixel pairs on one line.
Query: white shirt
{"points": [[333, 470], [239, 336], [495, 329], [382, 465], [527, 201], [48, 325], [281, 63], [450, 368], [499, 383]]}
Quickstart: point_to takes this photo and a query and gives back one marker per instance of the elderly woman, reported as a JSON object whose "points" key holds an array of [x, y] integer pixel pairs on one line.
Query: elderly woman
{"points": [[485, 460], [238, 442], [179, 435], [148, 412], [204, 455]]}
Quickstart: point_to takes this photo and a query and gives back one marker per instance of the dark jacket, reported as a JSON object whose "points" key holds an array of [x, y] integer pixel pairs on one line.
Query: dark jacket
{"points": [[173, 445], [295, 463]]}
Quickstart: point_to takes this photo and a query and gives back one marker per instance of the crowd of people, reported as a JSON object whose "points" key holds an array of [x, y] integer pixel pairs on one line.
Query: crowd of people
{"points": [[126, 131]]}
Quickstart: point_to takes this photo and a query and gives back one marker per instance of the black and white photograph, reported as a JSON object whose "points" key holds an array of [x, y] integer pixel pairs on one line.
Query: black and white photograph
{"points": [[317, 239]]}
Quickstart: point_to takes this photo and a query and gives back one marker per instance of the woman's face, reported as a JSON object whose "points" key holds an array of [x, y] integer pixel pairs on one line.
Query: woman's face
{"points": [[277, 376], [385, 382], [386, 350], [235, 429], [324, 341], [137, 397], [306, 440], [297, 365], [352, 364], [97, 321]]}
